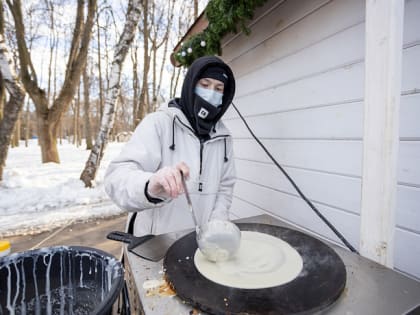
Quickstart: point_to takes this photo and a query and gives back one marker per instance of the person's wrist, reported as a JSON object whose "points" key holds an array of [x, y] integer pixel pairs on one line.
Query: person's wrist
{"points": [[150, 196]]}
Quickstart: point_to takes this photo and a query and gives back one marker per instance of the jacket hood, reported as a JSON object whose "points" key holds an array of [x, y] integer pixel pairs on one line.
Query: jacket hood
{"points": [[186, 101]]}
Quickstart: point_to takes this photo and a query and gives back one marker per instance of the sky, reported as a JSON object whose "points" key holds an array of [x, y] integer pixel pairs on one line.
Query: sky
{"points": [[37, 197]]}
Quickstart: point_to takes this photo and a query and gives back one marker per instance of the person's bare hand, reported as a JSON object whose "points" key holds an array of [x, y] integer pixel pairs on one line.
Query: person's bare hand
{"points": [[167, 181]]}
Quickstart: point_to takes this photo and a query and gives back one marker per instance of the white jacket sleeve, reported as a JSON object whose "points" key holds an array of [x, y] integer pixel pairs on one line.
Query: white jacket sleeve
{"points": [[227, 183], [127, 175]]}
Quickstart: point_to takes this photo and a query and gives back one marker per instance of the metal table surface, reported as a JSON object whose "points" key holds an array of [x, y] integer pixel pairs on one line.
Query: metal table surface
{"points": [[371, 288]]}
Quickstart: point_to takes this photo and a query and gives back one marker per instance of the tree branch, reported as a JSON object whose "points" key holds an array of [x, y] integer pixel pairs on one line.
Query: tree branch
{"points": [[28, 74], [75, 41], [75, 66]]}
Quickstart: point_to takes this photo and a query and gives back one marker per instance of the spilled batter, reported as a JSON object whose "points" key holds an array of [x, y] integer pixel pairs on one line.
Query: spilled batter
{"points": [[262, 261]]}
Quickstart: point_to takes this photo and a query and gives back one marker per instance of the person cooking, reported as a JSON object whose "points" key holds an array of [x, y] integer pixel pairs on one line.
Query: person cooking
{"points": [[185, 136]]}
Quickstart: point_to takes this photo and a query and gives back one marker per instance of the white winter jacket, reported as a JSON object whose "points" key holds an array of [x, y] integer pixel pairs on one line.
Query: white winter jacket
{"points": [[165, 138]]}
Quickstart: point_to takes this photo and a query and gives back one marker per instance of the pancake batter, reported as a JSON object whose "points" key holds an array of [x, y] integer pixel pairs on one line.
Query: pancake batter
{"points": [[262, 261]]}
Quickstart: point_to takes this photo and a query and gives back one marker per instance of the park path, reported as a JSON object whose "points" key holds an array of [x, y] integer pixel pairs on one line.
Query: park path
{"points": [[91, 233]]}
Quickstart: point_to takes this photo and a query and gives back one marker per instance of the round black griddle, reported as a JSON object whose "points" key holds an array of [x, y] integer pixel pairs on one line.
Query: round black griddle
{"points": [[319, 284]]}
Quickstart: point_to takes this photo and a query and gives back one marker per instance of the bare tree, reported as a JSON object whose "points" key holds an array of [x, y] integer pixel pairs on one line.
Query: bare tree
{"points": [[184, 20], [76, 111], [14, 142], [160, 36], [13, 106], [126, 38], [2, 97], [134, 60], [165, 48], [109, 20], [49, 116], [27, 123], [144, 94], [53, 45], [86, 109], [2, 87], [101, 86], [155, 25]]}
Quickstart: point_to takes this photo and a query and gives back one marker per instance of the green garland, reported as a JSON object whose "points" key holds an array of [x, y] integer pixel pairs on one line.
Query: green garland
{"points": [[224, 16]]}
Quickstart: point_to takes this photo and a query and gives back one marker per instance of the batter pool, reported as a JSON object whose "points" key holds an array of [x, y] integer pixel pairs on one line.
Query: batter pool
{"points": [[262, 261]]}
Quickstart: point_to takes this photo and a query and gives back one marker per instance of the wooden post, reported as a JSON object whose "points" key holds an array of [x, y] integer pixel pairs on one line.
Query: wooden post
{"points": [[384, 28]]}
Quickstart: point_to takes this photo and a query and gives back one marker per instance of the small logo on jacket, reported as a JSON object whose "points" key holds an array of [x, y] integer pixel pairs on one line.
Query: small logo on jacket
{"points": [[203, 113]]}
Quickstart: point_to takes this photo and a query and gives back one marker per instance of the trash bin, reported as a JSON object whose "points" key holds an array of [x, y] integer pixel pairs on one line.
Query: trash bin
{"points": [[60, 280]]}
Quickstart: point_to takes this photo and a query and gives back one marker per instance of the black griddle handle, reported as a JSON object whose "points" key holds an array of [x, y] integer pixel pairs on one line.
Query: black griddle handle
{"points": [[131, 240], [120, 236]]}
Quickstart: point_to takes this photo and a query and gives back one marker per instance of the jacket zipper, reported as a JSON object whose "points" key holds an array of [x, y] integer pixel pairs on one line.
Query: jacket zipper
{"points": [[200, 184]]}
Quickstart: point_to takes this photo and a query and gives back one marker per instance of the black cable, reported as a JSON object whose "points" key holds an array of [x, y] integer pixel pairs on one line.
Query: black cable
{"points": [[339, 235]]}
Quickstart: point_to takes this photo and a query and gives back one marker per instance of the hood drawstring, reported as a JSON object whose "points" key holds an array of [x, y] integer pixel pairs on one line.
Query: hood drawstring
{"points": [[226, 158], [172, 146]]}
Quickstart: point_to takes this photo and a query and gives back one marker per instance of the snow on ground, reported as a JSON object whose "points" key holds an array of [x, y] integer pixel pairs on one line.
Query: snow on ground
{"points": [[36, 197]]}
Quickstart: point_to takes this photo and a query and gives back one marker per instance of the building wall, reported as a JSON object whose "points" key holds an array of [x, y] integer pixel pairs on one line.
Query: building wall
{"points": [[300, 86]]}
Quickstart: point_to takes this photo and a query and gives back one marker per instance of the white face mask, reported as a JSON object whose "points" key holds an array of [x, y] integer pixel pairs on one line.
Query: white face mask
{"points": [[211, 96]]}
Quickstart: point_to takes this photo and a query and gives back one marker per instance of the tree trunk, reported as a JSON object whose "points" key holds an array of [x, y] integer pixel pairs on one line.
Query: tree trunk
{"points": [[171, 86], [27, 123], [165, 41], [134, 60], [14, 104], [86, 108], [106, 48], [2, 97], [79, 124], [73, 107], [16, 134], [153, 34], [101, 85], [152, 104], [60, 132], [76, 119], [53, 45], [176, 72], [47, 140], [126, 38], [144, 94], [183, 23], [2, 87]]}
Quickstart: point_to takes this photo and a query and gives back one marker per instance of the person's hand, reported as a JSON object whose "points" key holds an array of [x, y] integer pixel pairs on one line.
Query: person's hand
{"points": [[167, 181]]}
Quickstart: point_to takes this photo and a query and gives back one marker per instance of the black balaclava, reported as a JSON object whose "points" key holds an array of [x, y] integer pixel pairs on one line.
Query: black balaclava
{"points": [[202, 115]]}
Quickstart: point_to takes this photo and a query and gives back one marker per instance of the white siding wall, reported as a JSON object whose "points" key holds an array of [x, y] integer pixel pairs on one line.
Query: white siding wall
{"points": [[407, 233], [300, 86]]}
